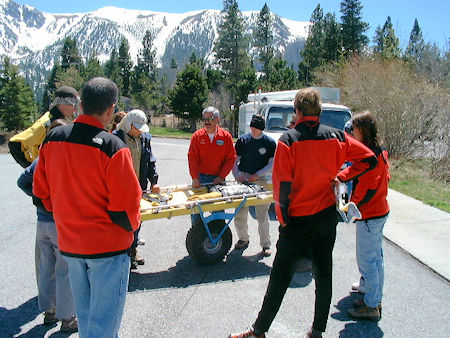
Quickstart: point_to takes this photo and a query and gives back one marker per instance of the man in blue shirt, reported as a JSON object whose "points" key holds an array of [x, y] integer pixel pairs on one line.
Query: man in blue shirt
{"points": [[255, 152]]}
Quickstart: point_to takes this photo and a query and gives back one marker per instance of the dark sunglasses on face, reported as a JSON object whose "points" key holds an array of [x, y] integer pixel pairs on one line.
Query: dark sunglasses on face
{"points": [[210, 119]]}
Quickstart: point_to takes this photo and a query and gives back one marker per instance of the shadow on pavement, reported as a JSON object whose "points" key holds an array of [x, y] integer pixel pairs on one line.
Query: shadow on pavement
{"points": [[187, 272], [353, 329], [12, 320]]}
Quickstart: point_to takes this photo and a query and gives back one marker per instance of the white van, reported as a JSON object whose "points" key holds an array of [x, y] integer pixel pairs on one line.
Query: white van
{"points": [[278, 107]]}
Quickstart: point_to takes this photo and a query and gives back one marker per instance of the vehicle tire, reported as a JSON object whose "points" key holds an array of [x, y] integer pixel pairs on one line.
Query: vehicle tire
{"points": [[199, 246]]}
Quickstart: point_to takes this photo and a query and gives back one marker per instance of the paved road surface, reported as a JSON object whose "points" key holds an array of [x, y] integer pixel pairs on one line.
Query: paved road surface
{"points": [[171, 296]]}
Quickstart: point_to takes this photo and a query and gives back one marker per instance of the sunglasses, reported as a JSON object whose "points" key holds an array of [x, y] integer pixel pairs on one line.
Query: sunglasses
{"points": [[210, 119]]}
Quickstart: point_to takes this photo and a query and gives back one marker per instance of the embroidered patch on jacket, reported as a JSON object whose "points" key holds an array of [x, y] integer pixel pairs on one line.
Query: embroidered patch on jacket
{"points": [[262, 151], [220, 142], [97, 140]]}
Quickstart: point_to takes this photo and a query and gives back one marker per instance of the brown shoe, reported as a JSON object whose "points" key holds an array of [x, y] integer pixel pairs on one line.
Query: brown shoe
{"points": [[241, 245], [246, 334], [69, 325], [365, 312], [50, 318], [360, 302]]}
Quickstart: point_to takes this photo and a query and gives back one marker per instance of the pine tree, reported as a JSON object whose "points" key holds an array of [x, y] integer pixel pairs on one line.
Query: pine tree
{"points": [[173, 64], [146, 88], [282, 77], [112, 70], [313, 52], [70, 56], [17, 106], [50, 87], [125, 65], [332, 41], [416, 43], [93, 68], [230, 47], [353, 28], [263, 37], [386, 42], [189, 93]]}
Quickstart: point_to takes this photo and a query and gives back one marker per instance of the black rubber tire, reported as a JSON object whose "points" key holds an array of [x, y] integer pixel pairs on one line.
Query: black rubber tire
{"points": [[199, 246]]}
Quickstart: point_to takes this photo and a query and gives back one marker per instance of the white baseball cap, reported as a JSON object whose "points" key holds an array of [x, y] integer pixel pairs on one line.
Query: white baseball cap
{"points": [[138, 119]]}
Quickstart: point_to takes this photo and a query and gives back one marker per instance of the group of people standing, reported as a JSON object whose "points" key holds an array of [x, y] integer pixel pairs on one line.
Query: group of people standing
{"points": [[89, 220]]}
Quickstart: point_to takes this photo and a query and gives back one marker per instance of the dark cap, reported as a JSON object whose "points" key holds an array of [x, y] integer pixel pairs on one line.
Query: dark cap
{"points": [[66, 91], [258, 122]]}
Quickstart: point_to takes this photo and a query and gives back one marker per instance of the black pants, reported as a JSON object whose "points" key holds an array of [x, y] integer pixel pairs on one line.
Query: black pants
{"points": [[318, 233]]}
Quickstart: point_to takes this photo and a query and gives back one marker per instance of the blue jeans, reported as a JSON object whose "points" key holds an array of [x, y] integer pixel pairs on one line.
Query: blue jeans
{"points": [[369, 256], [99, 288], [204, 179]]}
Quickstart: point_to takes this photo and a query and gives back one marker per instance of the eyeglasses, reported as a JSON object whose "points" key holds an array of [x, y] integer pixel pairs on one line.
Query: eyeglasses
{"points": [[210, 119]]}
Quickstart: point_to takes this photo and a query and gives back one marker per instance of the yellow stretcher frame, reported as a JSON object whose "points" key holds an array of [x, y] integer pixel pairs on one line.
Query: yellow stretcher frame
{"points": [[150, 212]]}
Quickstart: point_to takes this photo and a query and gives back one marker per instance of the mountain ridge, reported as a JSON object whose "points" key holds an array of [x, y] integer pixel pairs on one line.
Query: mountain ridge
{"points": [[33, 39]]}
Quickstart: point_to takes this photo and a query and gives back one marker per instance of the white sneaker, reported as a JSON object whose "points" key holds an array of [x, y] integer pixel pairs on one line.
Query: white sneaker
{"points": [[359, 288]]}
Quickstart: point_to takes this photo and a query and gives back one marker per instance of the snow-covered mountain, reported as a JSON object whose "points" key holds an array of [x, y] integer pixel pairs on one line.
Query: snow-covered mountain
{"points": [[33, 39]]}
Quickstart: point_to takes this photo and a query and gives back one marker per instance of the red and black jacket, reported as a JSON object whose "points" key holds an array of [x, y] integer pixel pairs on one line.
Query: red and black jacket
{"points": [[85, 177], [212, 158], [370, 190], [307, 160]]}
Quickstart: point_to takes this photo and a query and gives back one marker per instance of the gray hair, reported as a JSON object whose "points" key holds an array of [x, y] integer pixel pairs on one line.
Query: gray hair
{"points": [[212, 110]]}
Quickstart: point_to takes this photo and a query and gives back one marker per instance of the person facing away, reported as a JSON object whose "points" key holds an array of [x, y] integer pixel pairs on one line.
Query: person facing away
{"points": [[307, 160], [54, 294], [133, 130], [370, 196], [95, 213], [254, 161], [211, 153]]}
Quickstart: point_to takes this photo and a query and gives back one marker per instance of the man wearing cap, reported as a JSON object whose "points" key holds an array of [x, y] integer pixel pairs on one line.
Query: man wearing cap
{"points": [[96, 207], [24, 147], [255, 152], [133, 130]]}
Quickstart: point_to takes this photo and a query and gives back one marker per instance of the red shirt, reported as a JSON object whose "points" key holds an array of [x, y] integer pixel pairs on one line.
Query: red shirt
{"points": [[85, 177], [212, 158]]}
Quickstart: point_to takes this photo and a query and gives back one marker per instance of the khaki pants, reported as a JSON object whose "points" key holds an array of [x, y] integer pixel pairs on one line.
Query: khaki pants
{"points": [[262, 216]]}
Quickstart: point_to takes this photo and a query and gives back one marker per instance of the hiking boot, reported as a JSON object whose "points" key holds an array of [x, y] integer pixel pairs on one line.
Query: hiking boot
{"points": [[365, 312], [360, 302], [358, 288], [246, 334], [241, 245], [266, 252], [69, 325], [50, 318], [313, 333]]}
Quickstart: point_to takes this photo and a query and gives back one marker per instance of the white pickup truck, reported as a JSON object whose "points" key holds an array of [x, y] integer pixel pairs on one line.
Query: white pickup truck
{"points": [[278, 107]]}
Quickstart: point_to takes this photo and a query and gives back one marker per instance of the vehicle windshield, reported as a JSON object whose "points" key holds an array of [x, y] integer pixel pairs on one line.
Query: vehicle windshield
{"points": [[335, 118], [279, 118]]}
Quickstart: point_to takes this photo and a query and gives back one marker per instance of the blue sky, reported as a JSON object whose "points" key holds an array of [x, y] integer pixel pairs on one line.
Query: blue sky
{"points": [[433, 15]]}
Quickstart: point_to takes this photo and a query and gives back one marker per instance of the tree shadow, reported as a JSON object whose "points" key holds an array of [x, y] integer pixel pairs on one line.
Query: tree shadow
{"points": [[355, 328]]}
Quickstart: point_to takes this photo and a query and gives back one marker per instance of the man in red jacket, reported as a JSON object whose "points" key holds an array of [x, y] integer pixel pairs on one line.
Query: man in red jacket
{"points": [[85, 177], [211, 153], [307, 160]]}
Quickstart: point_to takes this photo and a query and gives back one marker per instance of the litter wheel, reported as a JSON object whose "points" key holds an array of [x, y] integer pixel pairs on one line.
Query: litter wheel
{"points": [[200, 247]]}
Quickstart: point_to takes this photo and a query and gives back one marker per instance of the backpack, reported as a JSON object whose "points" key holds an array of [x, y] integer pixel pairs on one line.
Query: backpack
{"points": [[24, 146]]}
